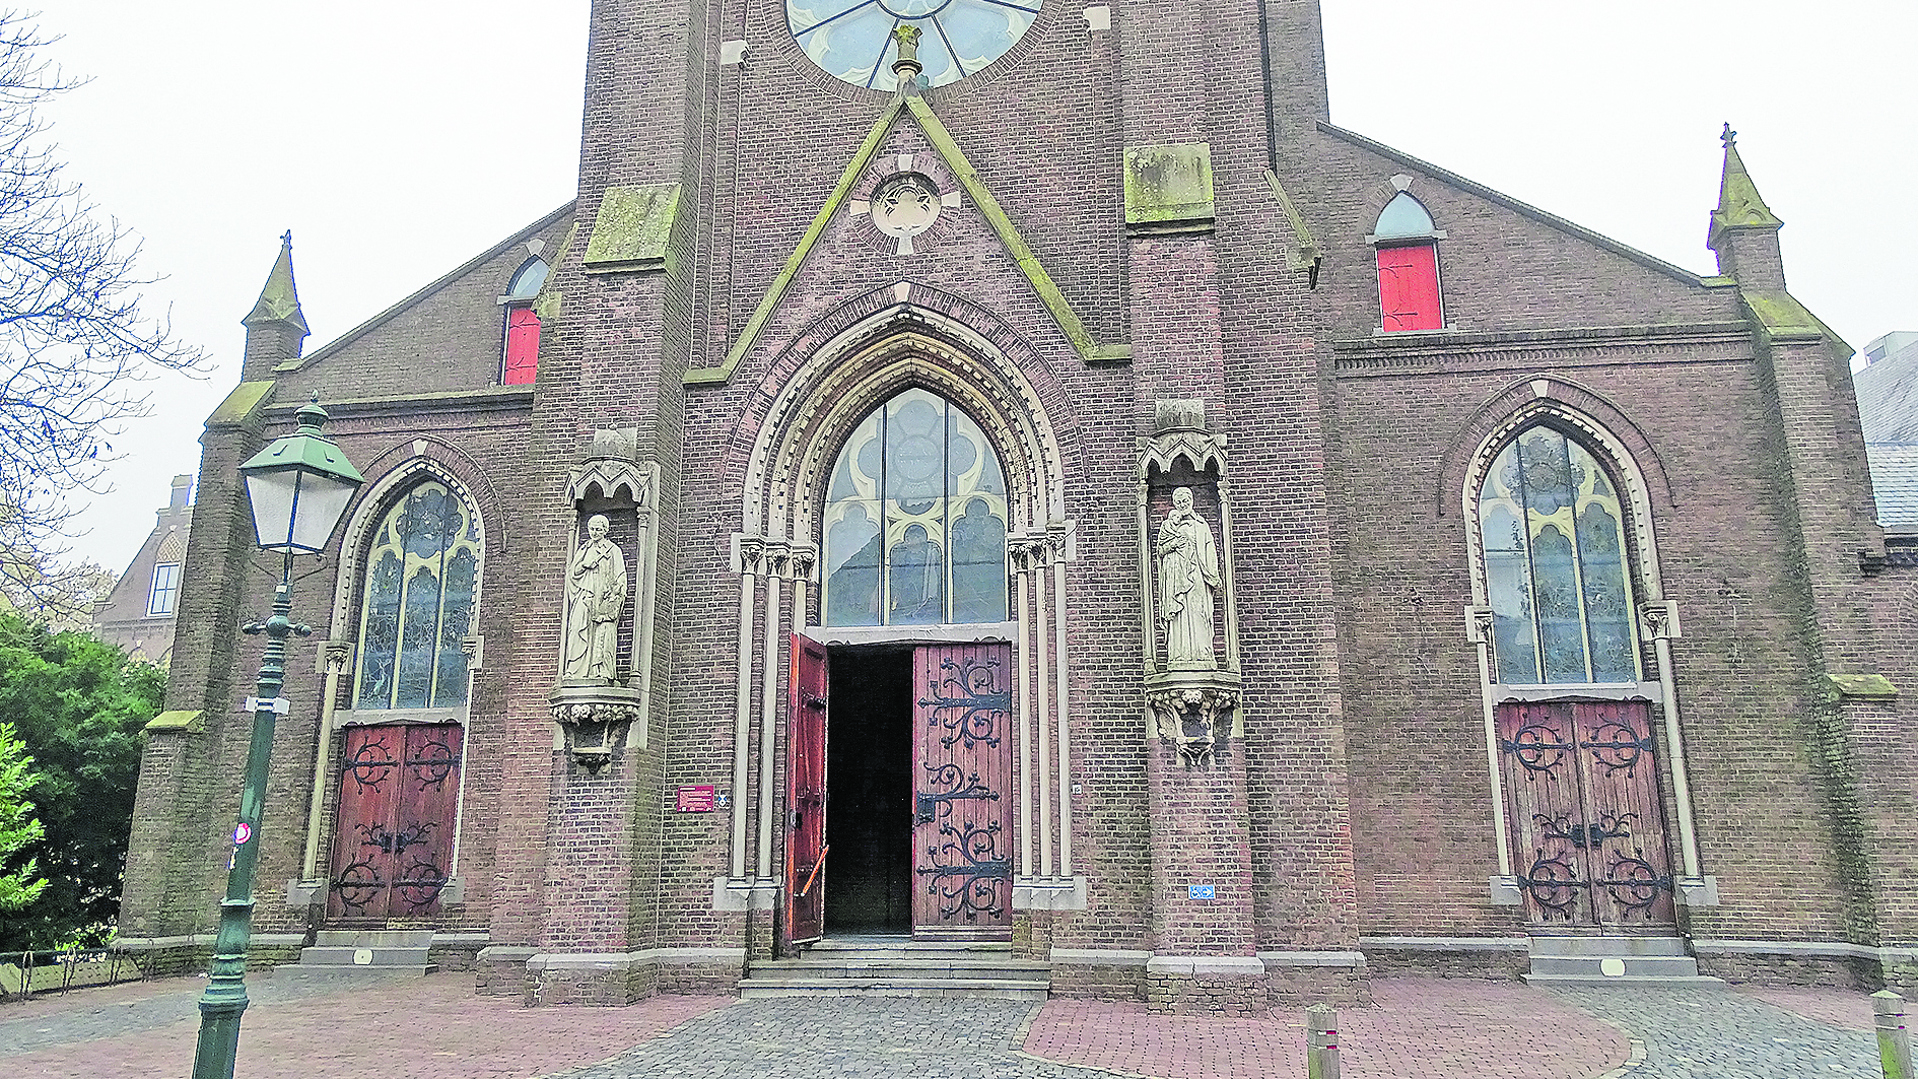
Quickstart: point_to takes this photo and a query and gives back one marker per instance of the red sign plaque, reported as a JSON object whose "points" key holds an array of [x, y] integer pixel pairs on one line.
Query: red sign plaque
{"points": [[696, 799]]}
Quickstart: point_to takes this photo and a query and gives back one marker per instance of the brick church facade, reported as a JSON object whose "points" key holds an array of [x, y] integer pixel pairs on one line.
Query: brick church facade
{"points": [[1080, 500]]}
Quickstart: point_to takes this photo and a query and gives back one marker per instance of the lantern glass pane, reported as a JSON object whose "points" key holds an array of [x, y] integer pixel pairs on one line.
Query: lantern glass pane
{"points": [[272, 496]]}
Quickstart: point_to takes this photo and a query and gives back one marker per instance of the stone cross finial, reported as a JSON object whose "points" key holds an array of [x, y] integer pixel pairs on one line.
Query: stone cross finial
{"points": [[1728, 137]]}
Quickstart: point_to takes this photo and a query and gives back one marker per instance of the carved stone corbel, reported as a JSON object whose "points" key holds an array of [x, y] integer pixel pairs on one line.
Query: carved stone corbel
{"points": [[1194, 713], [1659, 620], [336, 657], [595, 721]]}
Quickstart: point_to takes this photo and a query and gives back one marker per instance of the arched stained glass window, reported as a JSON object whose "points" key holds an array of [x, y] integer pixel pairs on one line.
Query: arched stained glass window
{"points": [[1555, 565], [421, 576], [915, 523]]}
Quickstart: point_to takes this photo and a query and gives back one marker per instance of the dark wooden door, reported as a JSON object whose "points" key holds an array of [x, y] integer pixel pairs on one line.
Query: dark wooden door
{"points": [[1588, 827], [398, 808], [962, 819], [805, 919]]}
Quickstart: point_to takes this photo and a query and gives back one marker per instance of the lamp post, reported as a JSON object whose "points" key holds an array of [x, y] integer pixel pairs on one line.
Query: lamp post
{"points": [[299, 487]]}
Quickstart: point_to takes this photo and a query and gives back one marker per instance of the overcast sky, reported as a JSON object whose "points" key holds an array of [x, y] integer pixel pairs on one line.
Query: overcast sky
{"points": [[398, 139]]}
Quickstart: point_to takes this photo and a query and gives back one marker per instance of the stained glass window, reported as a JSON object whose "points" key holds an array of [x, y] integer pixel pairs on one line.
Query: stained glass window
{"points": [[852, 39], [421, 575], [915, 522], [1551, 531]]}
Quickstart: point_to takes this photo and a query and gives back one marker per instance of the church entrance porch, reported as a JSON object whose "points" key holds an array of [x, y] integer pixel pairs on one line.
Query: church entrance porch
{"points": [[899, 792]]}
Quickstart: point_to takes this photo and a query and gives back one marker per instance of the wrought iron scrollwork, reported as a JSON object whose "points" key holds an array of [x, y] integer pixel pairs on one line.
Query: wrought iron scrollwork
{"points": [[959, 784], [968, 702], [356, 886], [415, 834], [969, 883], [1618, 746], [433, 764], [370, 766], [1539, 747], [1553, 884], [421, 885], [1635, 883], [1609, 826]]}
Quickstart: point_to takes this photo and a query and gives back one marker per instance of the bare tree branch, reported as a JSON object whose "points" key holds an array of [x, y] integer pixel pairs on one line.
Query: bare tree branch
{"points": [[75, 346]]}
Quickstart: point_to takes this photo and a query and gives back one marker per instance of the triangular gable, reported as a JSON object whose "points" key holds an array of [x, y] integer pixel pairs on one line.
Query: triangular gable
{"points": [[969, 179]]}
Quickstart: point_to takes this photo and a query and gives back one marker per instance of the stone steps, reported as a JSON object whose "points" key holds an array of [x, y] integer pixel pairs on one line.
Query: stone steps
{"points": [[368, 952], [1613, 960], [901, 967]]}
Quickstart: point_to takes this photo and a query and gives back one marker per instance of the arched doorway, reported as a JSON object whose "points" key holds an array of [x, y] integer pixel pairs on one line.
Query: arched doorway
{"points": [[901, 746]]}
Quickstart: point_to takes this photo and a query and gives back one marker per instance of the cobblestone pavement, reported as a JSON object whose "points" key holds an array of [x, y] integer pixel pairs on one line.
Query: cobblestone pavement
{"points": [[1711, 1032], [824, 1038]]}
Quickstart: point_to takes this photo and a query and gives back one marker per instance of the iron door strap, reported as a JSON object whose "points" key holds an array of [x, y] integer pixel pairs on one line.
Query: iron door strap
{"points": [[931, 805]]}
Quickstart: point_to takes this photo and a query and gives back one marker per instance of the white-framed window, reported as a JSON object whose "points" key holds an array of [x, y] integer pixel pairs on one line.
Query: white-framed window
{"points": [[166, 589]]}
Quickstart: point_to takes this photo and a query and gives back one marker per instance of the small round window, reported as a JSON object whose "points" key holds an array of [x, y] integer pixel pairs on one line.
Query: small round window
{"points": [[853, 39]]}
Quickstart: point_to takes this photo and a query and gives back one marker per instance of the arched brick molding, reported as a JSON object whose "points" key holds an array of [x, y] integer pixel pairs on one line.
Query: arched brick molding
{"points": [[1554, 400]]}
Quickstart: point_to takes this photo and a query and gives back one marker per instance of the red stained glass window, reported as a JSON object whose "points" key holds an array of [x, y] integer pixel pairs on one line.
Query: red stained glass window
{"points": [[1409, 288], [522, 347]]}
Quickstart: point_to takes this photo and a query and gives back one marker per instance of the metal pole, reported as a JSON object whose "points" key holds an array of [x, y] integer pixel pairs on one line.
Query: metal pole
{"points": [[225, 998], [1322, 1042], [1894, 1041]]}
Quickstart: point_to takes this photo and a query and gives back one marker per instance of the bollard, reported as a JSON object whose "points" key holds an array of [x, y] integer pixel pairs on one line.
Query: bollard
{"points": [[1894, 1041], [1322, 1042]]}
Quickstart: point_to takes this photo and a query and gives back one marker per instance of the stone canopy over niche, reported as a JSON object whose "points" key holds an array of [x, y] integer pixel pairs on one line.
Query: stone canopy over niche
{"points": [[604, 676], [1190, 623]]}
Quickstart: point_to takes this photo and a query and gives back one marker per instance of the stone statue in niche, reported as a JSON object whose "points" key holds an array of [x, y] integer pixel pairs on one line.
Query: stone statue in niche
{"points": [[1188, 585], [595, 598]]}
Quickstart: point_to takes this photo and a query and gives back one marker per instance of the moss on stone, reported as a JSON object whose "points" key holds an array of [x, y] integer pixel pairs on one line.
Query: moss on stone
{"points": [[241, 405], [632, 227], [1171, 184], [185, 722], [1861, 686]]}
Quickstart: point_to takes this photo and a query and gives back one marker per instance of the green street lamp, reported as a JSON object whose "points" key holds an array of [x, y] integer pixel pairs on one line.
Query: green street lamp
{"points": [[299, 488]]}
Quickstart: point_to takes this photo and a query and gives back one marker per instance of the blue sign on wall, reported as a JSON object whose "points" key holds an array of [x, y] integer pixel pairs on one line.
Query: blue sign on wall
{"points": [[1199, 891]]}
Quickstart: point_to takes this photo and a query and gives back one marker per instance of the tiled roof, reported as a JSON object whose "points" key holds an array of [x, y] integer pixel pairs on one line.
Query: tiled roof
{"points": [[1894, 479]]}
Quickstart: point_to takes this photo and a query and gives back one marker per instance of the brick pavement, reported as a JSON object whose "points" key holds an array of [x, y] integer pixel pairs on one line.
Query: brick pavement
{"points": [[432, 1028], [438, 1028], [1417, 1027]]}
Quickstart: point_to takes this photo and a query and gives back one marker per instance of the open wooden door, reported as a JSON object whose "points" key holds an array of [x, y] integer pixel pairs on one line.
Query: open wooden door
{"points": [[962, 820], [805, 920]]}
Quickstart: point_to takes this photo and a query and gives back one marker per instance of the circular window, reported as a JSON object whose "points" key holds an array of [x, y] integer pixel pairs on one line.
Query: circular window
{"points": [[853, 39]]}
